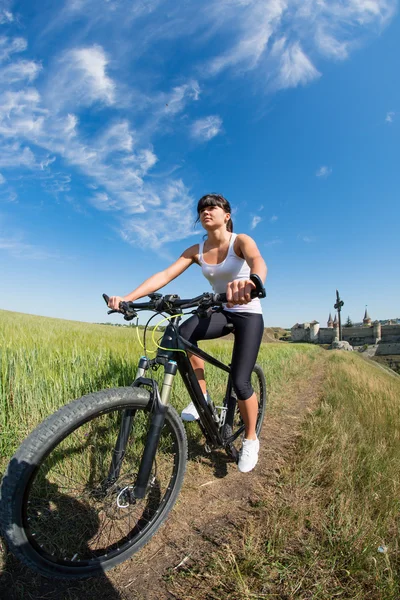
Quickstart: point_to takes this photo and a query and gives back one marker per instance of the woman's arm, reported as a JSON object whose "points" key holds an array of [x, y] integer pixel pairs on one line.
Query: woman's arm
{"points": [[252, 256], [239, 291], [159, 280]]}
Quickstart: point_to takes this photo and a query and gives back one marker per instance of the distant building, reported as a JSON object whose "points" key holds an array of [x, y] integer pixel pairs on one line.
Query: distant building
{"points": [[367, 319], [387, 335]]}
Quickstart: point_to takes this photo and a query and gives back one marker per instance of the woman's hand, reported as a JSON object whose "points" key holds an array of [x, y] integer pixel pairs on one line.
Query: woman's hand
{"points": [[113, 302], [238, 292]]}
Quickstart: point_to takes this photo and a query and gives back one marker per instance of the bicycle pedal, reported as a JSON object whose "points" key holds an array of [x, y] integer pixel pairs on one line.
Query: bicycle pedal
{"points": [[207, 448], [233, 452]]}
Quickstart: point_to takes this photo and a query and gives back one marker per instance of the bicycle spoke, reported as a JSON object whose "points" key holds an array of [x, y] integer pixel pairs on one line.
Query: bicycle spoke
{"points": [[71, 490]]}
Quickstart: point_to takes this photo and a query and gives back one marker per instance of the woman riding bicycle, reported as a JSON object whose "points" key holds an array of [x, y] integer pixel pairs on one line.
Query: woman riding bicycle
{"points": [[227, 260]]}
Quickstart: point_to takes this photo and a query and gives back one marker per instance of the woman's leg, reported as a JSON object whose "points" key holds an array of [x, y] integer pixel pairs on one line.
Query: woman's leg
{"points": [[198, 368], [249, 411], [249, 329], [194, 330]]}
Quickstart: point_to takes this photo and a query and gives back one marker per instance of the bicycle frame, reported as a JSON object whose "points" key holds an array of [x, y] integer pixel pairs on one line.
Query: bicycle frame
{"points": [[169, 355]]}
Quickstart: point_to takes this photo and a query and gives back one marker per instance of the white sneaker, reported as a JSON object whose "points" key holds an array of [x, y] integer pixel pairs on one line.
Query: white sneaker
{"points": [[248, 456], [190, 412]]}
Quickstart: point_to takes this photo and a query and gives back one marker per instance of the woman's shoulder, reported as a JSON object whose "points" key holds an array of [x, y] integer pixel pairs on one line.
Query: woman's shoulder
{"points": [[242, 243], [243, 237], [192, 252]]}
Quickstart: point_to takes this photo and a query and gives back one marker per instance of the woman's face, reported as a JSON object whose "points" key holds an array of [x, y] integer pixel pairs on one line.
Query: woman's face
{"points": [[213, 217]]}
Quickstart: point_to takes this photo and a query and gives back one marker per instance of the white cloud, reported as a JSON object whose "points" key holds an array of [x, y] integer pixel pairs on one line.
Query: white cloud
{"points": [[176, 100], [80, 78], [253, 24], [147, 159], [324, 171], [206, 128], [171, 221], [273, 242], [255, 221], [308, 239], [246, 31], [19, 249], [118, 137], [12, 197], [45, 162], [281, 41], [16, 155], [273, 219], [110, 159], [10, 46], [331, 46], [102, 201], [2, 179], [294, 66], [390, 116], [19, 71], [282, 38], [128, 9], [6, 16], [57, 183]]}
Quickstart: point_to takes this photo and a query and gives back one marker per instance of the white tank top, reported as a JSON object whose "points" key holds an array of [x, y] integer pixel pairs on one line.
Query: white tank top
{"points": [[233, 267]]}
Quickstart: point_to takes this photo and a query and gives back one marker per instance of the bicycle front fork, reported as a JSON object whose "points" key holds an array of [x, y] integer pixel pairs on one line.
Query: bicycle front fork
{"points": [[159, 407]]}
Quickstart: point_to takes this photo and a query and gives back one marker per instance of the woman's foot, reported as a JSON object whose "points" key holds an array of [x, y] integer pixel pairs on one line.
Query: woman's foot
{"points": [[248, 455], [190, 412]]}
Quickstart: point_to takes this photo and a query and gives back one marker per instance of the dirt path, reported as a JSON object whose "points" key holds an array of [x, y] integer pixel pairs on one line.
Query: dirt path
{"points": [[212, 506]]}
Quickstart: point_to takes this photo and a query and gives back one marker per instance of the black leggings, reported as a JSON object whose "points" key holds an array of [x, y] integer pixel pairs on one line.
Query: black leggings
{"points": [[248, 331]]}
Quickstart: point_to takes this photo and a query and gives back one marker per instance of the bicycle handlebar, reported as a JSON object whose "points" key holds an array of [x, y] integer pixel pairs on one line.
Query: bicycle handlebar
{"points": [[159, 303]]}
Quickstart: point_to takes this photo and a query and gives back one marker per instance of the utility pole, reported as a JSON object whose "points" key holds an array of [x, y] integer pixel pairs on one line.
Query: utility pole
{"points": [[338, 306]]}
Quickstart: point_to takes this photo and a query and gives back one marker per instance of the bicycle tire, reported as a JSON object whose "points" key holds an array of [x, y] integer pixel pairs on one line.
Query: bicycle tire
{"points": [[262, 396], [68, 448]]}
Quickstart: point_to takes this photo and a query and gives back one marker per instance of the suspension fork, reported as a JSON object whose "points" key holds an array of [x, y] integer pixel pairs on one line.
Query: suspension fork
{"points": [[127, 417], [159, 411], [160, 407]]}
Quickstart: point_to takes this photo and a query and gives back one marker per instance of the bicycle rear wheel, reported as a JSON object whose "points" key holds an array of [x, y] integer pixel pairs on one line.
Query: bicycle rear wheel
{"points": [[60, 511]]}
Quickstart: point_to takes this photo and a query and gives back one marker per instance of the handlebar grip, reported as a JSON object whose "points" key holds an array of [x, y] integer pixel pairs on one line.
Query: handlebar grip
{"points": [[122, 306], [259, 292]]}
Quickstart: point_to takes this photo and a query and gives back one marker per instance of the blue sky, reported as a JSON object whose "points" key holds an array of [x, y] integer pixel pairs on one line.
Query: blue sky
{"points": [[117, 115]]}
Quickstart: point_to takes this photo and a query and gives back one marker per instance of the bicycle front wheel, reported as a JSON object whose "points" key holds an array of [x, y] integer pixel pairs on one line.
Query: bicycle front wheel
{"points": [[62, 513]]}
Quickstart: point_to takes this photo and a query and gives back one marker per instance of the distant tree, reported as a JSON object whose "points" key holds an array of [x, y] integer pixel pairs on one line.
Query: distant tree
{"points": [[349, 322]]}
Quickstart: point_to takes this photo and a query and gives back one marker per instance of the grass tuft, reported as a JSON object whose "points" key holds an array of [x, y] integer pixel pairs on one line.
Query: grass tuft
{"points": [[331, 529]]}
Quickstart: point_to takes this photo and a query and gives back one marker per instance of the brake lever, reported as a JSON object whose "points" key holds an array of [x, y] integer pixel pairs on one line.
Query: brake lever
{"points": [[106, 300]]}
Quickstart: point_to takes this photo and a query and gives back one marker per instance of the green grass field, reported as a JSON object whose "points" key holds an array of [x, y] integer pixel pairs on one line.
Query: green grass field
{"points": [[333, 529], [339, 499], [45, 363]]}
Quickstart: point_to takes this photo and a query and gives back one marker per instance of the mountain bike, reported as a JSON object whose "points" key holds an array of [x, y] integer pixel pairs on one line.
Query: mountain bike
{"points": [[93, 482]]}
